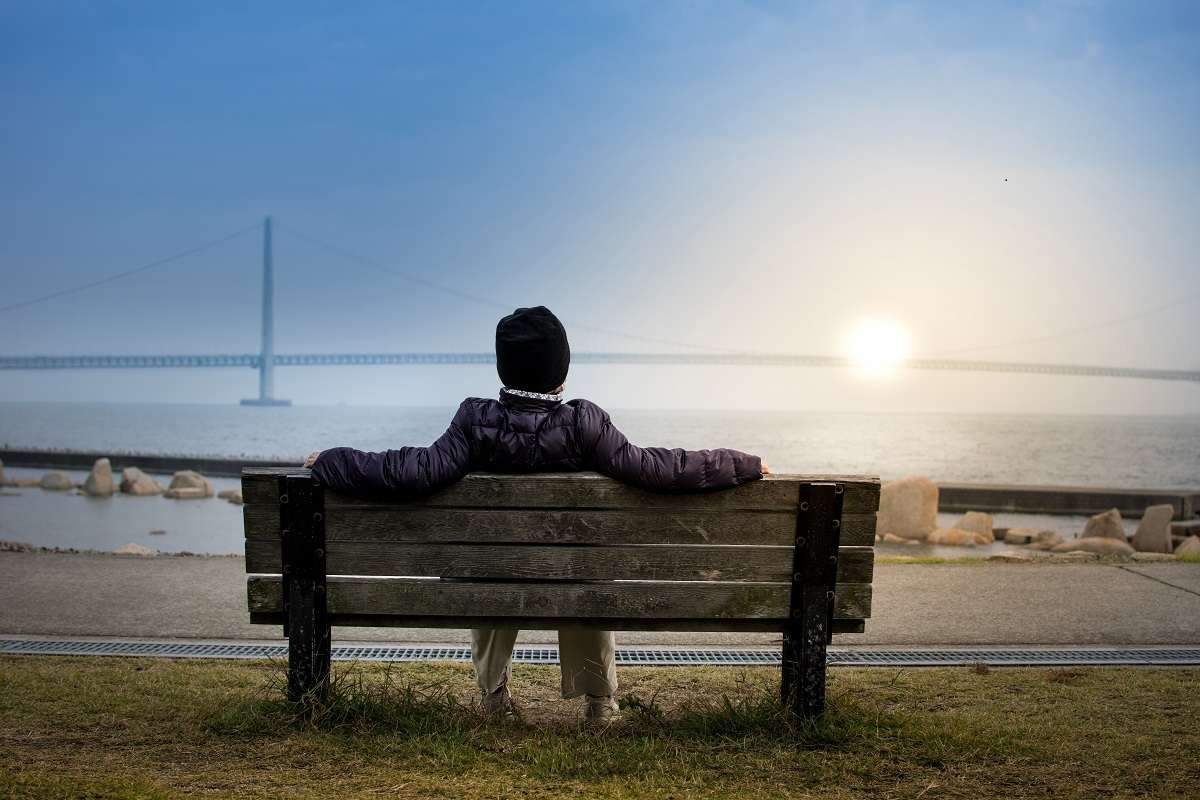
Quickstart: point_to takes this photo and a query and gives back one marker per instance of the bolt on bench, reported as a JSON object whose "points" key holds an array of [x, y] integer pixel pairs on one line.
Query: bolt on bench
{"points": [[788, 553]]}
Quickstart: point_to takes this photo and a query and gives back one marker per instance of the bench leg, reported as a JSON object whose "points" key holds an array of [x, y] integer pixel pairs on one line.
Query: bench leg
{"points": [[308, 644], [810, 621], [804, 660], [307, 620]]}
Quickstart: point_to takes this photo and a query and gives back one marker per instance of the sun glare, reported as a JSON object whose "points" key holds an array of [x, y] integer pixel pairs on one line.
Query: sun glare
{"points": [[877, 346]]}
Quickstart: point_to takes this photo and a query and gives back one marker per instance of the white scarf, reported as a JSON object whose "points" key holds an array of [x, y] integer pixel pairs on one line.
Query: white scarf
{"points": [[533, 395]]}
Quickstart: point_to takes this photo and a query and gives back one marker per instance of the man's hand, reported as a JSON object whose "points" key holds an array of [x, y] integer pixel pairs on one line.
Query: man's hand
{"points": [[765, 469], [312, 458]]}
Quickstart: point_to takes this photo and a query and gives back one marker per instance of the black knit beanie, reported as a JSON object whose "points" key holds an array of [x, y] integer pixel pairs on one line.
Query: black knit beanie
{"points": [[531, 350]]}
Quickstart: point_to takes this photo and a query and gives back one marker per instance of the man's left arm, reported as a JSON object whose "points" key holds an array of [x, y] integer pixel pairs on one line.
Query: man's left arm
{"points": [[664, 469]]}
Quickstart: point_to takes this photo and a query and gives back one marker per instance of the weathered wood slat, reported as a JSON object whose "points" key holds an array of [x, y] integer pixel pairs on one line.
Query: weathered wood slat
{"points": [[392, 523], [400, 524], [562, 562], [383, 597], [585, 490], [554, 623]]}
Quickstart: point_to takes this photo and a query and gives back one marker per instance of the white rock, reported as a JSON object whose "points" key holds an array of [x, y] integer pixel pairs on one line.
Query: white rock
{"points": [[187, 493], [1047, 542], [1154, 531], [1100, 545], [1104, 526], [907, 508], [1030, 536], [952, 536], [1020, 535], [978, 523], [232, 495], [56, 482], [187, 479], [1190, 548], [99, 481], [136, 482], [134, 549]]}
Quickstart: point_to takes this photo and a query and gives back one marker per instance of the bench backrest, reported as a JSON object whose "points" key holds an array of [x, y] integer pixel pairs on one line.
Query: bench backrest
{"points": [[545, 550]]}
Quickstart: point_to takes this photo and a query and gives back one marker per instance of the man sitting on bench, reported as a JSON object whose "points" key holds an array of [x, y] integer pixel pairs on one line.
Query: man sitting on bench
{"points": [[531, 429]]}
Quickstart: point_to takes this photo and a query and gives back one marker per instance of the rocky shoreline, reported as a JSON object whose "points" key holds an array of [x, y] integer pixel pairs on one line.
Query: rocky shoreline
{"points": [[133, 550], [100, 482], [147, 501], [26, 547], [908, 516]]}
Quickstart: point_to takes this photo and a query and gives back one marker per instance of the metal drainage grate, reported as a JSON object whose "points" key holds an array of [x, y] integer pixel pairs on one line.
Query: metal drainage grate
{"points": [[1041, 656], [908, 657], [699, 657]]}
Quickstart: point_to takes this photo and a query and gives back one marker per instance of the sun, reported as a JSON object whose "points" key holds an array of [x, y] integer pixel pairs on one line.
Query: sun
{"points": [[877, 346]]}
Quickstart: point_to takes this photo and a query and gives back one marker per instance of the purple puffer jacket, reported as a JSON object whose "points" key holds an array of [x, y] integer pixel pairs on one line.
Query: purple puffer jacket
{"points": [[523, 434]]}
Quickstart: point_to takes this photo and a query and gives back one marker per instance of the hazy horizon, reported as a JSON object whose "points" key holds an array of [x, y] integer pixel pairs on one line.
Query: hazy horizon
{"points": [[740, 176], [569, 396]]}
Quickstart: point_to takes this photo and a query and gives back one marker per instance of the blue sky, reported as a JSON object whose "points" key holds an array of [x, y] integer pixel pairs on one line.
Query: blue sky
{"points": [[750, 176]]}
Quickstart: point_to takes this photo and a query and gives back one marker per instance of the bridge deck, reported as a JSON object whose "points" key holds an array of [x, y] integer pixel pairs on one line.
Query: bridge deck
{"points": [[253, 361]]}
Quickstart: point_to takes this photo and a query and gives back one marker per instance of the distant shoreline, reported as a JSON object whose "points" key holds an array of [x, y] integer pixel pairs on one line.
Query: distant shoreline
{"points": [[26, 547]]}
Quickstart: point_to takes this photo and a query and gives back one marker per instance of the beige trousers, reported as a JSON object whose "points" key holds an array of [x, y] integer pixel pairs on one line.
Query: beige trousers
{"points": [[588, 659]]}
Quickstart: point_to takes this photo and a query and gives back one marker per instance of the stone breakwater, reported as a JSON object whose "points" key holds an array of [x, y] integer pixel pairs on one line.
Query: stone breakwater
{"points": [[185, 484], [100, 482], [908, 510]]}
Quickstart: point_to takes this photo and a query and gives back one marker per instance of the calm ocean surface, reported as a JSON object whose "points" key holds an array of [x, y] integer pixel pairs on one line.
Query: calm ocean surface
{"points": [[1133, 452], [1146, 452]]}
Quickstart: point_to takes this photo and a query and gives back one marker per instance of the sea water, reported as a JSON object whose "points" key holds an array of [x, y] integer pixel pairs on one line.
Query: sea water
{"points": [[1115, 451]]}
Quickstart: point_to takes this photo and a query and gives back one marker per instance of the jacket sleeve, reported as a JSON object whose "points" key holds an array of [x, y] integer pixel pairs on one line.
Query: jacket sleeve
{"points": [[658, 468], [409, 470]]}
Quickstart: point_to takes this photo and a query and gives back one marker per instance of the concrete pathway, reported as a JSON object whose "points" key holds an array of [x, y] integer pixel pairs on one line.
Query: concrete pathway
{"points": [[914, 604]]}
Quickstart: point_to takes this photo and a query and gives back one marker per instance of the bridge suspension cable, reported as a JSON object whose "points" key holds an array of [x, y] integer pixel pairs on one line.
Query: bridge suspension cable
{"points": [[450, 290], [1096, 326], [380, 267], [709, 355], [191, 251]]}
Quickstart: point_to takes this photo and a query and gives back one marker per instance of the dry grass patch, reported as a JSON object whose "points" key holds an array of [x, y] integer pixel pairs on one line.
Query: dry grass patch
{"points": [[106, 727]]}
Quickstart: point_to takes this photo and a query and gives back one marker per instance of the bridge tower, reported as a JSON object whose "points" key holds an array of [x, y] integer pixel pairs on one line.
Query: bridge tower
{"points": [[266, 358]]}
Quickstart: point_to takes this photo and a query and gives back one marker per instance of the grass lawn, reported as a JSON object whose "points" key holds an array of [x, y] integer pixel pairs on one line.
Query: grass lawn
{"points": [[108, 727]]}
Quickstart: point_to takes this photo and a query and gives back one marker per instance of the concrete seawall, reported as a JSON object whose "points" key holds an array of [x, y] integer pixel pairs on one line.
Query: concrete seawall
{"points": [[163, 464], [953, 497], [1077, 500]]}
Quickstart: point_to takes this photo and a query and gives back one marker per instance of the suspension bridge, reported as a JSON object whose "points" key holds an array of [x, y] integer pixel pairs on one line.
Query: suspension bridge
{"points": [[266, 359]]}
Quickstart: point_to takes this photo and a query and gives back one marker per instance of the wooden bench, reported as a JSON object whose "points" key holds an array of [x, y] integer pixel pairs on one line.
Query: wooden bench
{"points": [[791, 554]]}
